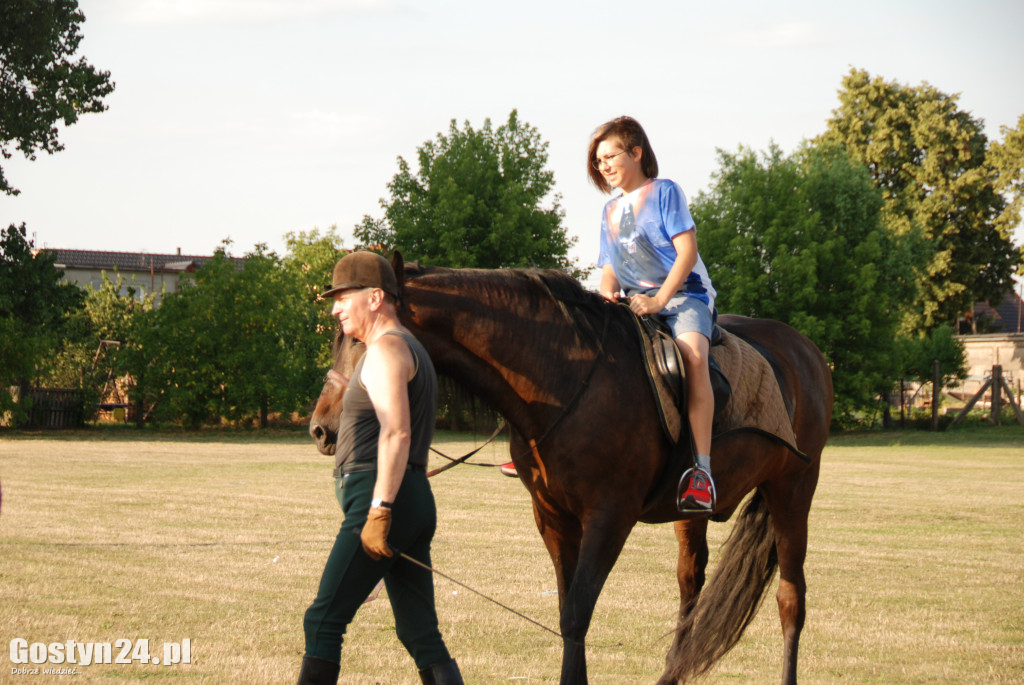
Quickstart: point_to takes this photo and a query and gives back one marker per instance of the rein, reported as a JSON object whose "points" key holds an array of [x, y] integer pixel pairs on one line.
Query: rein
{"points": [[339, 378], [554, 424], [582, 387], [463, 458]]}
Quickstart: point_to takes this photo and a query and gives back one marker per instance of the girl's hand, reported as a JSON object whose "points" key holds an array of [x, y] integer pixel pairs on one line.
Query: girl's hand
{"points": [[643, 304]]}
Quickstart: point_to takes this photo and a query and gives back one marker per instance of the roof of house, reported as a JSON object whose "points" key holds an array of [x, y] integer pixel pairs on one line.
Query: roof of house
{"points": [[1007, 317], [128, 261]]}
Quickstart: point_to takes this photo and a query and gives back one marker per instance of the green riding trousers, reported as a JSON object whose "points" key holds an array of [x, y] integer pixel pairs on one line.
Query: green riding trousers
{"points": [[350, 574]]}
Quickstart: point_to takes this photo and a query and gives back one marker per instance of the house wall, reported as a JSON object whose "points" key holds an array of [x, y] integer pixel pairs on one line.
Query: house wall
{"points": [[145, 283], [985, 351]]}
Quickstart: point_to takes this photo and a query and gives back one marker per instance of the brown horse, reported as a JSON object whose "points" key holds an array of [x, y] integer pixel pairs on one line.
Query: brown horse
{"points": [[564, 368]]}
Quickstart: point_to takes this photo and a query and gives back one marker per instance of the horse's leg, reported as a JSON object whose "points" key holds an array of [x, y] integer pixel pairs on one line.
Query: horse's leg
{"points": [[792, 549], [690, 569], [789, 504], [693, 560], [582, 565], [562, 535]]}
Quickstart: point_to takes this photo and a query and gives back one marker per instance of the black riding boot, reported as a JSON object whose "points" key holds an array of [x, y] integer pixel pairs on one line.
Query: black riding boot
{"points": [[318, 672], [442, 674]]}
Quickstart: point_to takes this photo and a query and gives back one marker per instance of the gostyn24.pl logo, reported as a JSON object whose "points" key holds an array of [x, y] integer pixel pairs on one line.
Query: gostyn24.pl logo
{"points": [[71, 654]]}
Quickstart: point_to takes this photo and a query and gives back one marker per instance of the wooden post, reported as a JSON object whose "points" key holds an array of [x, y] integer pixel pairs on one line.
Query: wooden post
{"points": [[1013, 402], [936, 393], [997, 394], [902, 395]]}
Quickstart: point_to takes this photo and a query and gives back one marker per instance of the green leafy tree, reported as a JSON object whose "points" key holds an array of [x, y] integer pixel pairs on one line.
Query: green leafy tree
{"points": [[310, 262], [40, 84], [800, 239], [235, 343], [928, 157], [940, 345], [115, 310], [1006, 158], [35, 307], [476, 201]]}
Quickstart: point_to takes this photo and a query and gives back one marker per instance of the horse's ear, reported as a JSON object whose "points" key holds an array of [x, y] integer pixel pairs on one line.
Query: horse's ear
{"points": [[398, 265]]}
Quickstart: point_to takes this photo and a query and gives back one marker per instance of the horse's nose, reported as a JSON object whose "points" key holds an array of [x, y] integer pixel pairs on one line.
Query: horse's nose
{"points": [[317, 431]]}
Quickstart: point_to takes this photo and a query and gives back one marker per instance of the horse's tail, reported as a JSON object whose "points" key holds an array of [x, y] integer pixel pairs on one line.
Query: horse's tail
{"points": [[730, 601]]}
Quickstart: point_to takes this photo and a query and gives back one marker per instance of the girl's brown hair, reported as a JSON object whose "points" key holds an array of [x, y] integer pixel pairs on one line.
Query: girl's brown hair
{"points": [[631, 134]]}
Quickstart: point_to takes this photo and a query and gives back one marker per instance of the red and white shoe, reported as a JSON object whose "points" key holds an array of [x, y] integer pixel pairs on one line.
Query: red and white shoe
{"points": [[696, 492], [509, 470]]}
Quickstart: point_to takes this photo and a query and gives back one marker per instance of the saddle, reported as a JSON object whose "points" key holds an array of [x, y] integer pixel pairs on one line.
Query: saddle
{"points": [[744, 383], [664, 364], [668, 361], [747, 391]]}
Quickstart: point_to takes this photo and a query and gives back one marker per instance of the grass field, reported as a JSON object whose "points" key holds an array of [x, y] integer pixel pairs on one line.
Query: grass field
{"points": [[915, 569]]}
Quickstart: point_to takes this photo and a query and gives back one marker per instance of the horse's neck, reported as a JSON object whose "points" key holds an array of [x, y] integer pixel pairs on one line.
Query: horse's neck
{"points": [[488, 340]]}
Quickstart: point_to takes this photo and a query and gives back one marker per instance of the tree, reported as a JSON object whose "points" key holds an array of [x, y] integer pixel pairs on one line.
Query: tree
{"points": [[309, 263], [476, 201], [39, 83], [1007, 160], [34, 308], [800, 239], [235, 343], [929, 159], [942, 346]]}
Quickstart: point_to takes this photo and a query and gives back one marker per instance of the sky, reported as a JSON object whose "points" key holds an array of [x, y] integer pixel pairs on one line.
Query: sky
{"points": [[246, 120]]}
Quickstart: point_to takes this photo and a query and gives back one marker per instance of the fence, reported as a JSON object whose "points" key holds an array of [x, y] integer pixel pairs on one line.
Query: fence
{"points": [[55, 408], [998, 386]]}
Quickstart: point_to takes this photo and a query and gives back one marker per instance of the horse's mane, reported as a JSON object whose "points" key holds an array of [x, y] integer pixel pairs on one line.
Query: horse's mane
{"points": [[586, 309], [566, 289]]}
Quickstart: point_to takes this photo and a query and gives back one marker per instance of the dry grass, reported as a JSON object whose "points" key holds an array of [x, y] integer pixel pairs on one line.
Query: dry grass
{"points": [[915, 570]]}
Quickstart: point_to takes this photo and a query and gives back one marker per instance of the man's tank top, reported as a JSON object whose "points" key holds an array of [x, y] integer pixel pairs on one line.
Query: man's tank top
{"points": [[359, 431]]}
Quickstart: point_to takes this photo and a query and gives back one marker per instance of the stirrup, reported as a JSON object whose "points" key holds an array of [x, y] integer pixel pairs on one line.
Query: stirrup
{"points": [[687, 505]]}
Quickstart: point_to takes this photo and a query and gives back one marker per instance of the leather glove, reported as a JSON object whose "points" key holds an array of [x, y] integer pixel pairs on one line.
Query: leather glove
{"points": [[375, 533]]}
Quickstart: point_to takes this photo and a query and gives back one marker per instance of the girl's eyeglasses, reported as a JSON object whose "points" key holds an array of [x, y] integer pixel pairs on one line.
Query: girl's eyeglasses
{"points": [[597, 163]]}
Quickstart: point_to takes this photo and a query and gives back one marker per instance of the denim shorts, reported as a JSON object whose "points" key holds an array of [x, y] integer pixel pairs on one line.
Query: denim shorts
{"points": [[684, 314]]}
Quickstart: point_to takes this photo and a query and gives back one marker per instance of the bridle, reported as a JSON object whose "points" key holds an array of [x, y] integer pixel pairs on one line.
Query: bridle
{"points": [[336, 377]]}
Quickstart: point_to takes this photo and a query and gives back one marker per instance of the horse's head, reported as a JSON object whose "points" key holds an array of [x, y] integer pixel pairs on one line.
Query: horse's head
{"points": [[323, 425]]}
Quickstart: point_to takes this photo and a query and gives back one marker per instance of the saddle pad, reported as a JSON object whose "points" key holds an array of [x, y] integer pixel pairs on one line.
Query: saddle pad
{"points": [[756, 400]]}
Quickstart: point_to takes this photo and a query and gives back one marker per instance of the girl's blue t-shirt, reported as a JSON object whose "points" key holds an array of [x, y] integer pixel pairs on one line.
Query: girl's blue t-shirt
{"points": [[637, 229]]}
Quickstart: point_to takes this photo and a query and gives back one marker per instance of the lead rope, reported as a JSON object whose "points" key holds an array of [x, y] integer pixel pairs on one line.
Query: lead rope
{"points": [[509, 609], [476, 592]]}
